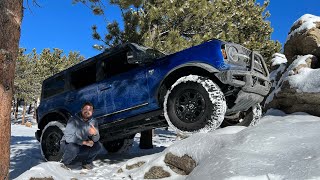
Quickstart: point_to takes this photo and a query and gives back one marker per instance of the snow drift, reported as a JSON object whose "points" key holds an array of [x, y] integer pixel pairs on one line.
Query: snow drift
{"points": [[280, 147]]}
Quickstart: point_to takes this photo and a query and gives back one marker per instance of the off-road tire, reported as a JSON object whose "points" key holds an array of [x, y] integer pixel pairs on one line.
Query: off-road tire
{"points": [[118, 146], [204, 99], [50, 141], [248, 118]]}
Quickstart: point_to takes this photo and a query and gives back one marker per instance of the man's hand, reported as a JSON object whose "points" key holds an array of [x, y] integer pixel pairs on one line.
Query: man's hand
{"points": [[92, 130], [88, 143]]}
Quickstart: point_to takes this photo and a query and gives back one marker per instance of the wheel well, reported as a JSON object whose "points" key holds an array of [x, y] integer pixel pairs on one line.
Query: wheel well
{"points": [[54, 116], [184, 71]]}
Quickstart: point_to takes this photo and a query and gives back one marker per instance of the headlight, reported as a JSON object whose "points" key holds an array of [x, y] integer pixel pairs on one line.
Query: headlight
{"points": [[233, 53]]}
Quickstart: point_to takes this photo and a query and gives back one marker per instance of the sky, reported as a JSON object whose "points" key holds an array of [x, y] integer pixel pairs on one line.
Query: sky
{"points": [[61, 24]]}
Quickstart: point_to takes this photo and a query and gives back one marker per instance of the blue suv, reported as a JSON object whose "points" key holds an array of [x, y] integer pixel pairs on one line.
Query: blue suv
{"points": [[135, 88]]}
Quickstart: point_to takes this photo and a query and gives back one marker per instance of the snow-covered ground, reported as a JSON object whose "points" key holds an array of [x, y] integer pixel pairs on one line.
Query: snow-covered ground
{"points": [[26, 153], [280, 147]]}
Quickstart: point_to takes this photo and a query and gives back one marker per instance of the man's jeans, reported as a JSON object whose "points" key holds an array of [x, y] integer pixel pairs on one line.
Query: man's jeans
{"points": [[85, 153]]}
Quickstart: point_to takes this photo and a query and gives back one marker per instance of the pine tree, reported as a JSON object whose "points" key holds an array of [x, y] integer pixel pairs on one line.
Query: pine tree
{"points": [[174, 25], [33, 68]]}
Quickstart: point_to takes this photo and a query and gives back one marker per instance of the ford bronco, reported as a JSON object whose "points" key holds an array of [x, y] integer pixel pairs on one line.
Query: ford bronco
{"points": [[135, 88]]}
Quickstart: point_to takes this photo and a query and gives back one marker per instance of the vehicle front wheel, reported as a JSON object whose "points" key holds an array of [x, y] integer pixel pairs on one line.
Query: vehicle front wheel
{"points": [[247, 118], [194, 104], [118, 146], [50, 141]]}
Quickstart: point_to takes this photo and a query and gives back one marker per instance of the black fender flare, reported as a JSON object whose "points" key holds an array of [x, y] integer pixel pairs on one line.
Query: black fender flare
{"points": [[61, 112]]}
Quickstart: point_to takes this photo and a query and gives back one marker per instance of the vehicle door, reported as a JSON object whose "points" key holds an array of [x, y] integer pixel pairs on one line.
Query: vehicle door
{"points": [[85, 88], [129, 86]]}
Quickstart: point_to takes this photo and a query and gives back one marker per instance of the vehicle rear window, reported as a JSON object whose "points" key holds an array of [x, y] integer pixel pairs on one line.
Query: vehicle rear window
{"points": [[84, 76]]}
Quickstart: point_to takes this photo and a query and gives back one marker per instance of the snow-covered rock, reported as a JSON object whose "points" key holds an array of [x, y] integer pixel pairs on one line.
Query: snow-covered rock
{"points": [[298, 88], [304, 37], [296, 84], [278, 59]]}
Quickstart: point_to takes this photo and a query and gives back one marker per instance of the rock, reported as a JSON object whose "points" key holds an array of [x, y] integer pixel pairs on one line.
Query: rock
{"points": [[290, 102], [28, 124], [136, 165], [120, 170], [277, 60], [292, 98], [181, 165], [303, 39], [42, 178], [310, 62], [156, 172]]}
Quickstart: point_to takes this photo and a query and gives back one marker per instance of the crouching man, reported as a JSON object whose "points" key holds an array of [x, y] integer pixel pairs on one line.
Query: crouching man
{"points": [[81, 138]]}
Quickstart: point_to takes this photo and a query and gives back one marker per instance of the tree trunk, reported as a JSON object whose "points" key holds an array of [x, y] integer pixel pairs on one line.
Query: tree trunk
{"points": [[23, 114], [30, 108], [17, 110], [10, 22]]}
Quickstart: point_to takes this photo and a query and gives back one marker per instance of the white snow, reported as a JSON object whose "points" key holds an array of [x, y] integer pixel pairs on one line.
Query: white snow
{"points": [[278, 58], [305, 80], [282, 146], [308, 22], [24, 151]]}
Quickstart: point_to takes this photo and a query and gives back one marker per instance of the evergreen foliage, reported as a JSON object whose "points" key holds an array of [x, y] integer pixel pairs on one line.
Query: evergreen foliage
{"points": [[33, 68], [173, 25]]}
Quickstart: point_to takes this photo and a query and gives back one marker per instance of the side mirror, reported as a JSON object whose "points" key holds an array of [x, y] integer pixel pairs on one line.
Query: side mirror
{"points": [[134, 57]]}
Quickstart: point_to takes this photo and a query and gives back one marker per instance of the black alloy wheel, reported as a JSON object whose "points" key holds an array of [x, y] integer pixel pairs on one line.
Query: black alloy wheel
{"points": [[190, 105]]}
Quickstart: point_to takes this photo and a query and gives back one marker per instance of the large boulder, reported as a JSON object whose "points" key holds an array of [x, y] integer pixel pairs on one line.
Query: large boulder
{"points": [[297, 88], [303, 38]]}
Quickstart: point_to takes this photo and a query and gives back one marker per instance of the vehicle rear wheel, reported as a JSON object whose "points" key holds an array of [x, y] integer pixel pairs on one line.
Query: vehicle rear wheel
{"points": [[50, 141], [247, 118], [194, 104], [118, 146]]}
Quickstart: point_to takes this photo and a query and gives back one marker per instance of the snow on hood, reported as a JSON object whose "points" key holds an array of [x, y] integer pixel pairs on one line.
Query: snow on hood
{"points": [[308, 23]]}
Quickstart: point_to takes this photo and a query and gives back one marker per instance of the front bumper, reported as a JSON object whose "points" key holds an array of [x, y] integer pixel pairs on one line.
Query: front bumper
{"points": [[248, 81], [253, 87]]}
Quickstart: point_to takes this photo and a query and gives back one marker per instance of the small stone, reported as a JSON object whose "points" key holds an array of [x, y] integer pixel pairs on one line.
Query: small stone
{"points": [[156, 172], [136, 165], [180, 165], [120, 170]]}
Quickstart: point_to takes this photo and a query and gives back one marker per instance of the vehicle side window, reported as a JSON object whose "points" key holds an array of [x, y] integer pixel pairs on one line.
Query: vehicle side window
{"points": [[53, 86], [83, 77], [117, 64]]}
